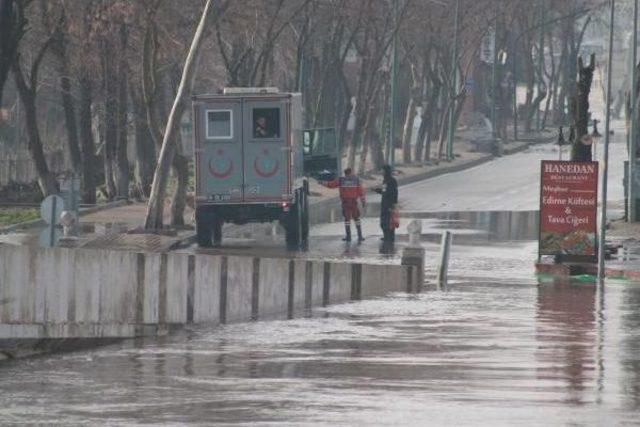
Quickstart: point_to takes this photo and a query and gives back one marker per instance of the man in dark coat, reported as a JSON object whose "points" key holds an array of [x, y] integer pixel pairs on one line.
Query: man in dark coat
{"points": [[389, 192]]}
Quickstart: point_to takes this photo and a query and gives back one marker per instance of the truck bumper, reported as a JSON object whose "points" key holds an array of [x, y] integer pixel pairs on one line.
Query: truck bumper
{"points": [[243, 214]]}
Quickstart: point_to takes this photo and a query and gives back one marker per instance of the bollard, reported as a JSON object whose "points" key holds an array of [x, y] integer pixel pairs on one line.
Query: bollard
{"points": [[445, 249], [413, 254], [68, 220], [415, 233]]}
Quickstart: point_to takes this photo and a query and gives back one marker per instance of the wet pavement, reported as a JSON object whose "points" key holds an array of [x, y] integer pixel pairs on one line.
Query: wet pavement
{"points": [[498, 346]]}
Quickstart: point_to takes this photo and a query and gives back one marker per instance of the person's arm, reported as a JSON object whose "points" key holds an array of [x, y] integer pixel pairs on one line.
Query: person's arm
{"points": [[361, 194]]}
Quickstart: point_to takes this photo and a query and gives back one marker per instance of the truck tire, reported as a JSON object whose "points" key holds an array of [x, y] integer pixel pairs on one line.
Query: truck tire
{"points": [[292, 226], [204, 228], [304, 217], [217, 231]]}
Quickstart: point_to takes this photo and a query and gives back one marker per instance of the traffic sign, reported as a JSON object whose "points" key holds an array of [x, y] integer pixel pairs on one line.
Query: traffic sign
{"points": [[51, 209], [49, 237]]}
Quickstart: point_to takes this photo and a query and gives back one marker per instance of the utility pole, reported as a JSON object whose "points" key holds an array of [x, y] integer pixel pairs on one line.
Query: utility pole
{"points": [[540, 61], [453, 83], [605, 157], [494, 85], [514, 68], [391, 155], [631, 191]]}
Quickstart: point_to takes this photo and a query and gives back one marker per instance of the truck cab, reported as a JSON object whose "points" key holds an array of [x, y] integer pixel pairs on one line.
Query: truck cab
{"points": [[249, 162]]}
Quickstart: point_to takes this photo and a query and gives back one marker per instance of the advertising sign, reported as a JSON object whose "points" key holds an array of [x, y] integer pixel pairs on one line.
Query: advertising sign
{"points": [[568, 208]]}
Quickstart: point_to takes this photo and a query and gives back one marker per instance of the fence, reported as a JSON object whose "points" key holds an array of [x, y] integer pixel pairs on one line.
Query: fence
{"points": [[20, 168]]}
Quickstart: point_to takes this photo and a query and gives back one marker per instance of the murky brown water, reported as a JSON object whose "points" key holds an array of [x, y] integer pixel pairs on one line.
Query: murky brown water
{"points": [[495, 348]]}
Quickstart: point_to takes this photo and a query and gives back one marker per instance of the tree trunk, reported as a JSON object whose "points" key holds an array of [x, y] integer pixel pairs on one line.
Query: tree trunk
{"points": [[444, 119], [73, 144], [369, 126], [122, 162], [433, 119], [46, 180], [145, 161], [426, 117], [581, 152], [341, 134], [180, 170], [11, 31], [110, 119], [407, 130], [155, 208], [89, 161], [415, 98], [422, 133]]}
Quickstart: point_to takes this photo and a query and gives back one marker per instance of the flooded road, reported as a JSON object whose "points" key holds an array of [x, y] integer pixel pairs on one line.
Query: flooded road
{"points": [[498, 346]]}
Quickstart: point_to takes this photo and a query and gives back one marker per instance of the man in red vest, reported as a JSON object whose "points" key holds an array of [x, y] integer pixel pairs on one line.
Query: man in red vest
{"points": [[350, 191]]}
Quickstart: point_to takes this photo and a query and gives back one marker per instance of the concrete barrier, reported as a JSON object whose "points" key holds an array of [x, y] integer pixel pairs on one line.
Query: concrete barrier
{"points": [[93, 293]]}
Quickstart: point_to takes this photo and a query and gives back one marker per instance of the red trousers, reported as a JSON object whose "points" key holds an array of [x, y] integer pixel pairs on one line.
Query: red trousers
{"points": [[350, 209]]}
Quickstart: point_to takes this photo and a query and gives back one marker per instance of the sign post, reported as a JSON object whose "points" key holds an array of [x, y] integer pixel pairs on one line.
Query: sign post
{"points": [[568, 210], [50, 211]]}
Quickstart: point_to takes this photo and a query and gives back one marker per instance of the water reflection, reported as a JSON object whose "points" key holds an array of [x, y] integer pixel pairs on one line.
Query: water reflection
{"points": [[629, 346], [497, 348], [491, 226], [565, 328]]}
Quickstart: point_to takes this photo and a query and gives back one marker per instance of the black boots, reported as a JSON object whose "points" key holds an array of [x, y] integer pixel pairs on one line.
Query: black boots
{"points": [[347, 232], [347, 237]]}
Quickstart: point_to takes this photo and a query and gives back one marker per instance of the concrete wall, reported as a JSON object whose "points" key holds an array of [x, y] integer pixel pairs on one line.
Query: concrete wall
{"points": [[67, 293]]}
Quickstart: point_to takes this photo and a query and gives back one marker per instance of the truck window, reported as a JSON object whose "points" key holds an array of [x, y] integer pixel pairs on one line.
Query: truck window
{"points": [[266, 123], [219, 124]]}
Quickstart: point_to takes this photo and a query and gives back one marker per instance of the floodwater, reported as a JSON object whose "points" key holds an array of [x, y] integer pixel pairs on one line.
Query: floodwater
{"points": [[496, 347]]}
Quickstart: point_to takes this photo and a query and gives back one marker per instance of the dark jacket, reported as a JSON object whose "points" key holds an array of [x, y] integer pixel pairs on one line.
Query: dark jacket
{"points": [[389, 192]]}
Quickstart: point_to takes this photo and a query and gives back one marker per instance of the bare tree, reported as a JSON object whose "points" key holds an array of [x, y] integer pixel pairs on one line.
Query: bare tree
{"points": [[12, 28], [155, 207], [27, 85]]}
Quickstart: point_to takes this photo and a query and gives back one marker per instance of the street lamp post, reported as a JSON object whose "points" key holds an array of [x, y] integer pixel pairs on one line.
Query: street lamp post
{"points": [[605, 157], [497, 61], [453, 83], [631, 196], [514, 69], [391, 151], [540, 61]]}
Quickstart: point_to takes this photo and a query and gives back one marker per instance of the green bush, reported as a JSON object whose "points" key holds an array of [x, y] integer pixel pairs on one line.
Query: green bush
{"points": [[9, 216]]}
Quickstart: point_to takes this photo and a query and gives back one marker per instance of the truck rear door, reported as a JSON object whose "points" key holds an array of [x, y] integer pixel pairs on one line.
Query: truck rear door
{"points": [[266, 151], [221, 163]]}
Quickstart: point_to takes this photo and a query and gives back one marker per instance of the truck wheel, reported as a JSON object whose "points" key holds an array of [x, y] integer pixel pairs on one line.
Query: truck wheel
{"points": [[292, 232], [217, 232], [304, 217], [203, 228], [292, 225]]}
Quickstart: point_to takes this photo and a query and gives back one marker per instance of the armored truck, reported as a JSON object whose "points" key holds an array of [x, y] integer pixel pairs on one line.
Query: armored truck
{"points": [[249, 162]]}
